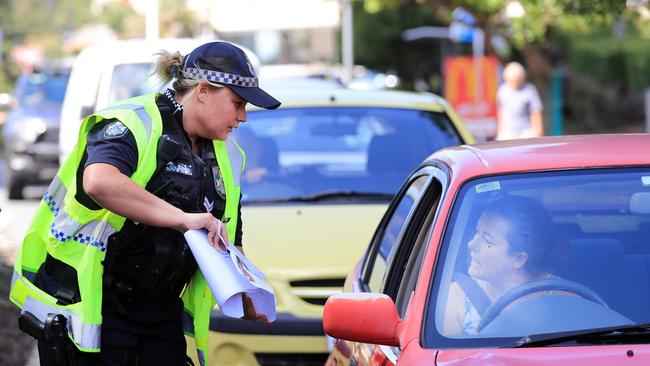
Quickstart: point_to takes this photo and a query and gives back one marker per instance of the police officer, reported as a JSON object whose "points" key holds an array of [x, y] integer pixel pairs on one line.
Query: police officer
{"points": [[105, 252]]}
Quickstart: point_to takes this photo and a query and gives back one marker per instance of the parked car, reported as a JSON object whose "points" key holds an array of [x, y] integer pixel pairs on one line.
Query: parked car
{"points": [[31, 131], [320, 172], [361, 77], [529, 252], [109, 71]]}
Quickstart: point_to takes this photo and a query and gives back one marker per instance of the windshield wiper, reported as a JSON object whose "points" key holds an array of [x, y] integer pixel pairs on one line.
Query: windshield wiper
{"points": [[327, 196], [627, 333]]}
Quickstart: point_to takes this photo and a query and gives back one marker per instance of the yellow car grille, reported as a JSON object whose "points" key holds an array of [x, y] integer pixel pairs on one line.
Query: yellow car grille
{"points": [[316, 291]]}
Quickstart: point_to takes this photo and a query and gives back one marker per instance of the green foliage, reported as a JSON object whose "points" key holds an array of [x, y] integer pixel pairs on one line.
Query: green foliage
{"points": [[122, 19], [636, 58], [590, 7], [488, 7], [176, 20], [378, 37], [622, 62], [22, 18]]}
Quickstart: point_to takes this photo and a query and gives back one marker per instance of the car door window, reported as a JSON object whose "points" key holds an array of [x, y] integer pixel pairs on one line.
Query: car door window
{"points": [[405, 271], [391, 231]]}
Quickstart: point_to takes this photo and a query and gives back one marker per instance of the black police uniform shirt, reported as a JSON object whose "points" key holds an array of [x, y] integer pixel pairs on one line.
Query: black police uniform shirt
{"points": [[110, 142]]}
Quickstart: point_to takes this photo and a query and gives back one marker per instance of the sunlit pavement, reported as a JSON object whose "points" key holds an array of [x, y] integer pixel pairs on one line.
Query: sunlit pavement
{"points": [[15, 216], [14, 220]]}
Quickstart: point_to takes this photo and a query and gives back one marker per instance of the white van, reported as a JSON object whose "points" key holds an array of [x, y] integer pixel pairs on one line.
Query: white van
{"points": [[109, 71]]}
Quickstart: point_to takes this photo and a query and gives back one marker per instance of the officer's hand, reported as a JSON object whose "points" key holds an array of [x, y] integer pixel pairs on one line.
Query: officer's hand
{"points": [[217, 233], [250, 313]]}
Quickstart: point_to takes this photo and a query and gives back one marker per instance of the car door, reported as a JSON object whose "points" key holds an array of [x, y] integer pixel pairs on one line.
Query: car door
{"points": [[393, 260]]}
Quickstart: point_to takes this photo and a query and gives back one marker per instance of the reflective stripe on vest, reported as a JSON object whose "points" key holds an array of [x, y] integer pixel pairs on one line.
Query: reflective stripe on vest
{"points": [[142, 114], [237, 160], [85, 335], [231, 160], [64, 228]]}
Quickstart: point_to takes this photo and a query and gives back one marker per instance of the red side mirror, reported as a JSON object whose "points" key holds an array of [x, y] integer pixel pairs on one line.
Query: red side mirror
{"points": [[362, 317]]}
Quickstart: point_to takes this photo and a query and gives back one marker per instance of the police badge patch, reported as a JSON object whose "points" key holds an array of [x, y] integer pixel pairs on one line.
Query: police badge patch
{"points": [[218, 182], [115, 130]]}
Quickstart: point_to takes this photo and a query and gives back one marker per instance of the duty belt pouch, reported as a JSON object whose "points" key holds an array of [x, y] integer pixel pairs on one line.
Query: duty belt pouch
{"points": [[118, 293], [161, 256]]}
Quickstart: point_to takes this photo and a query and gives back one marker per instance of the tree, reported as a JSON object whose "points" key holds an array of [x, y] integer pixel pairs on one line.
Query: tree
{"points": [[42, 22], [527, 34]]}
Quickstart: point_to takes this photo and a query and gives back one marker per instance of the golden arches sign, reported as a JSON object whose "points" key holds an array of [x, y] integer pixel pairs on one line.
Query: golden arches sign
{"points": [[472, 81]]}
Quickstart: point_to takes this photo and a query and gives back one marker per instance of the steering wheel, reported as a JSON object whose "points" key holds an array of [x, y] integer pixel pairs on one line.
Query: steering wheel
{"points": [[537, 286]]}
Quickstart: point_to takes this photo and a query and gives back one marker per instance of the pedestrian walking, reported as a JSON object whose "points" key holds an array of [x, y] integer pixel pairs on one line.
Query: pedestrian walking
{"points": [[519, 107]]}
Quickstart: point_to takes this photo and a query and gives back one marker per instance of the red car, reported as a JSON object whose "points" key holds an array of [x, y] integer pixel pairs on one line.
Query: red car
{"points": [[530, 252]]}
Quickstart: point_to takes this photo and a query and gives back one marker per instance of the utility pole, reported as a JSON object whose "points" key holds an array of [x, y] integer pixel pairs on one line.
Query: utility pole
{"points": [[347, 42]]}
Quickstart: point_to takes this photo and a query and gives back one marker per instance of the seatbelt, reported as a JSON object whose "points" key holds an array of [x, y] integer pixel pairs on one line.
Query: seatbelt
{"points": [[473, 291]]}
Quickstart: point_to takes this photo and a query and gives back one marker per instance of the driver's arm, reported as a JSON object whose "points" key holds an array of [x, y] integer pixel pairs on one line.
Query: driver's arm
{"points": [[453, 322]]}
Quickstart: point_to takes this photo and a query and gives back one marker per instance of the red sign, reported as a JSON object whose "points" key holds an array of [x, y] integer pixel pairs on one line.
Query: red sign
{"points": [[471, 87]]}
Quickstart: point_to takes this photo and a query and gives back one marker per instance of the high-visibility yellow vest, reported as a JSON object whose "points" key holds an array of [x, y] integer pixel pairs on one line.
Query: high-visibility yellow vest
{"points": [[68, 231]]}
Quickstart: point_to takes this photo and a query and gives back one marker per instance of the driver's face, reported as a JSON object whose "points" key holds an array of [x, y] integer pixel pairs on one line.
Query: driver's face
{"points": [[490, 260]]}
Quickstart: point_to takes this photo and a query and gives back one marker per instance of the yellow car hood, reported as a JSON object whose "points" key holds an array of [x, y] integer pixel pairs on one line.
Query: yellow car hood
{"points": [[307, 242], [285, 239]]}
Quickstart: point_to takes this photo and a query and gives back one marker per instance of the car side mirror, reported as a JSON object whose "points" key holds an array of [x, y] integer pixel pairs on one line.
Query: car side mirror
{"points": [[362, 317]]}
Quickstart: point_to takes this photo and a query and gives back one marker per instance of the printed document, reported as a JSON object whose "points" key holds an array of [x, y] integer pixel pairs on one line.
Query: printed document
{"points": [[229, 274]]}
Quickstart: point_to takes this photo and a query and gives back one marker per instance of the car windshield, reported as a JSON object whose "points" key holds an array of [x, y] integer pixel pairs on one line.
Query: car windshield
{"points": [[299, 152], [536, 253], [130, 80], [41, 88]]}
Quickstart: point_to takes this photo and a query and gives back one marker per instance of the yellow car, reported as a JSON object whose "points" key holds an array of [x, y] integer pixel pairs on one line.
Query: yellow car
{"points": [[320, 172]]}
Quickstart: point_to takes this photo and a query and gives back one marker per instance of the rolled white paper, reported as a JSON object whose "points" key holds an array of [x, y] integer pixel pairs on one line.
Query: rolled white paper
{"points": [[229, 274]]}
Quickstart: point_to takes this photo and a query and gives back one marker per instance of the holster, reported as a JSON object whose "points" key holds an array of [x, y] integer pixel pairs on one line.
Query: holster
{"points": [[54, 346]]}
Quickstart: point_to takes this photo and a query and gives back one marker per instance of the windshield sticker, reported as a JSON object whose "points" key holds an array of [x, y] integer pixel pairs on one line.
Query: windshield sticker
{"points": [[645, 180], [487, 187]]}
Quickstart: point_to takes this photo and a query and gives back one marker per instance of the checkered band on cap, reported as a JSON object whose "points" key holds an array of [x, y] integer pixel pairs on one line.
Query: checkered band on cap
{"points": [[222, 77]]}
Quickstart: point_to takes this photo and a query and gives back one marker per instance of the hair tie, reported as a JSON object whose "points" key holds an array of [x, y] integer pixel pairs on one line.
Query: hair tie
{"points": [[174, 71]]}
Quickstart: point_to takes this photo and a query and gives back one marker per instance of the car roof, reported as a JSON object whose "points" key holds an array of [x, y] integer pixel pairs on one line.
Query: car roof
{"points": [[546, 153], [336, 96], [340, 97]]}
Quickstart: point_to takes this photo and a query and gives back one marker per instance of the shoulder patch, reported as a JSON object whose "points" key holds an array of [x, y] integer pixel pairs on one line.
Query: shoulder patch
{"points": [[115, 130]]}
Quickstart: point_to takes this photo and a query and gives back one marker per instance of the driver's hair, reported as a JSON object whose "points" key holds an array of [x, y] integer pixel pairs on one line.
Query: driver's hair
{"points": [[531, 230]]}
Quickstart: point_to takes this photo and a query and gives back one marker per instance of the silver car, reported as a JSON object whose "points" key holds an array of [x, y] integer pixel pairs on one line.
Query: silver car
{"points": [[31, 131]]}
